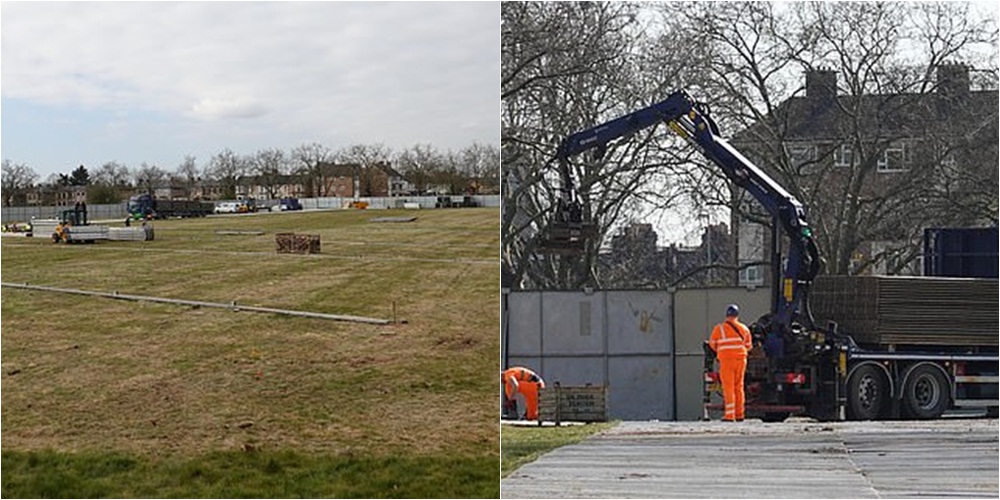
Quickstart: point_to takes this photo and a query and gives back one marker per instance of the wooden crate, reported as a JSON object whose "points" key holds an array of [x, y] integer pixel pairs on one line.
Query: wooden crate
{"points": [[297, 243], [573, 403]]}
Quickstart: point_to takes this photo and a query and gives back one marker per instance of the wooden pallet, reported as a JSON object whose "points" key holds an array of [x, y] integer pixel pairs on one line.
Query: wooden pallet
{"points": [[297, 243], [573, 403]]}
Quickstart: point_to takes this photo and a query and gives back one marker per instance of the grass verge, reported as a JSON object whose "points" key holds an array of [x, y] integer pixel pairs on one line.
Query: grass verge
{"points": [[522, 444], [99, 393], [50, 474]]}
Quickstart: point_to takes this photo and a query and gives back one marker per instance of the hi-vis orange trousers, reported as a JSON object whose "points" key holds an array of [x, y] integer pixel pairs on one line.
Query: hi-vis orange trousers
{"points": [[530, 392], [731, 373]]}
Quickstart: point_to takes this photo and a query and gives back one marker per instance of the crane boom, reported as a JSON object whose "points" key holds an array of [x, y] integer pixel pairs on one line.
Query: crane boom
{"points": [[691, 120]]}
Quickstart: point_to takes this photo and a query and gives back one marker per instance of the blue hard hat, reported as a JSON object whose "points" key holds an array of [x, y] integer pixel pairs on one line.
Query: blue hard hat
{"points": [[732, 310]]}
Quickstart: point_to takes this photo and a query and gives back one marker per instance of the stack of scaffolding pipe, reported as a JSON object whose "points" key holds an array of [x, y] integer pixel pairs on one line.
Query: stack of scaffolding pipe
{"points": [[140, 233], [909, 310]]}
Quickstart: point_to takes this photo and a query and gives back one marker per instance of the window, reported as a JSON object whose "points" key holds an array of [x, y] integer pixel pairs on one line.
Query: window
{"points": [[800, 154], [895, 158], [751, 276], [843, 155]]}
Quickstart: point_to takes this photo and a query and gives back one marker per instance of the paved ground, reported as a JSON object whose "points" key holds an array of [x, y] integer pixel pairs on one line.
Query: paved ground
{"points": [[795, 459]]}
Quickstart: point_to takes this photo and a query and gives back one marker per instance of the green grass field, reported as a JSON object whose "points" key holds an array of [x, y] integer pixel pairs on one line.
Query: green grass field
{"points": [[524, 444], [249, 404]]}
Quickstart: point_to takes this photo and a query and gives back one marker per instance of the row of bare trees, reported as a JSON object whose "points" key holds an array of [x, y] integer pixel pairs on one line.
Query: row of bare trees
{"points": [[475, 167], [566, 67]]}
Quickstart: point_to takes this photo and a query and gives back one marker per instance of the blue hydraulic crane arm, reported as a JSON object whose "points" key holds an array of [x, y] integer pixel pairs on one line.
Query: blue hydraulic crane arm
{"points": [[691, 121]]}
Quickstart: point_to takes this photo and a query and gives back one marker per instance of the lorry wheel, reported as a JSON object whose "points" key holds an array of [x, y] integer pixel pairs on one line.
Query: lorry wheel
{"points": [[926, 394], [774, 416], [867, 393]]}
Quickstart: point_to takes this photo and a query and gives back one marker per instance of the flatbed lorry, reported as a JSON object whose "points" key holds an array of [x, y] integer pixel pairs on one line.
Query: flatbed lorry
{"points": [[146, 206]]}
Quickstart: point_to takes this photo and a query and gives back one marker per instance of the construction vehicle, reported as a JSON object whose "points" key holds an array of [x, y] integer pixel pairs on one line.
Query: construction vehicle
{"points": [[71, 226], [797, 366], [146, 206]]}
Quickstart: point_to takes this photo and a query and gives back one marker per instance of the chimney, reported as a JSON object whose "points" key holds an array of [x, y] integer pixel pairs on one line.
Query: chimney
{"points": [[821, 85], [953, 80]]}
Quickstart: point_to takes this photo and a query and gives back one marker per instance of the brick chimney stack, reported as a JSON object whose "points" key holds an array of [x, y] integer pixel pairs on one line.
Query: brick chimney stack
{"points": [[953, 80], [821, 85]]}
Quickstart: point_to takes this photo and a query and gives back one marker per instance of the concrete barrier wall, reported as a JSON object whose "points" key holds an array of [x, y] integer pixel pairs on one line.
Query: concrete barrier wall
{"points": [[621, 339], [646, 346]]}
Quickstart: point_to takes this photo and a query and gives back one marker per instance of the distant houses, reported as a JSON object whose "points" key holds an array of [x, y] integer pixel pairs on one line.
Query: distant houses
{"points": [[326, 180]]}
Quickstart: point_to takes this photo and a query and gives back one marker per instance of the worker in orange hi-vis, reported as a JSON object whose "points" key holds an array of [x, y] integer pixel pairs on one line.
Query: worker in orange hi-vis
{"points": [[731, 340], [522, 380]]}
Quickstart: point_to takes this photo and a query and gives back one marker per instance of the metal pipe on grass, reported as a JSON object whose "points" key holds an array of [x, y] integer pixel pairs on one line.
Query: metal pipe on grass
{"points": [[197, 303]]}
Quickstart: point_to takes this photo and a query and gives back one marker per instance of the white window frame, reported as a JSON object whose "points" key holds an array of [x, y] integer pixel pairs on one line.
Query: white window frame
{"points": [[800, 154], [843, 155], [901, 151]]}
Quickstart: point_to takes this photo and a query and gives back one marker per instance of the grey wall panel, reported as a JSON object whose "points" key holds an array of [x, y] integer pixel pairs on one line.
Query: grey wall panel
{"points": [[534, 363], [573, 371], [639, 322], [640, 388], [524, 327], [700, 309], [572, 323], [697, 311], [689, 387]]}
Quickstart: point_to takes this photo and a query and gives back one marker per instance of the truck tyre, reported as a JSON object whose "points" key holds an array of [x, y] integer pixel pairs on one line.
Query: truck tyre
{"points": [[867, 393], [926, 394], [774, 416]]}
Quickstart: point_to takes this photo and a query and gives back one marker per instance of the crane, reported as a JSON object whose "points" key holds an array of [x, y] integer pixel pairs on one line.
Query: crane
{"points": [[692, 121]]}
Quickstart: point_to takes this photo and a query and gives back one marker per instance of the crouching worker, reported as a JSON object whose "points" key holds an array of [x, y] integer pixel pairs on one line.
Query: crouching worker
{"points": [[526, 382]]}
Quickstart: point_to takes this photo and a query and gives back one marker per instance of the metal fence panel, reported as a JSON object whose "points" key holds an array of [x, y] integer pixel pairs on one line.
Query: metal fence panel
{"points": [[572, 323], [524, 329], [639, 323], [9, 215], [641, 387], [117, 211], [622, 339]]}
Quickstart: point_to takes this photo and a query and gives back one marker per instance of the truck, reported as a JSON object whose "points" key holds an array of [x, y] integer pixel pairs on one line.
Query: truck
{"points": [[800, 366], [146, 206]]}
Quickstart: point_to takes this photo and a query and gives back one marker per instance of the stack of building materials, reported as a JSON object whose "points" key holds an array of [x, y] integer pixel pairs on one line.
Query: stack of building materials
{"points": [[909, 310], [297, 243], [138, 233], [573, 403]]}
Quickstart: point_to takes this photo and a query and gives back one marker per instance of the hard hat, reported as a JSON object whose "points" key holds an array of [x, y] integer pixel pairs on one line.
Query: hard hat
{"points": [[732, 310]]}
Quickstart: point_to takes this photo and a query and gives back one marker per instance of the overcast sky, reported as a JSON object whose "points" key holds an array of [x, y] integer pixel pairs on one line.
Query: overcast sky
{"points": [[88, 83]]}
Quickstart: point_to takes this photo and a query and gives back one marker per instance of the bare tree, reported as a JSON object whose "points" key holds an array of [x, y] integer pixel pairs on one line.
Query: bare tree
{"points": [[17, 179], [228, 168], [481, 165], [419, 164], [149, 177], [567, 67], [187, 174], [112, 173], [309, 160], [268, 167], [861, 143], [369, 158]]}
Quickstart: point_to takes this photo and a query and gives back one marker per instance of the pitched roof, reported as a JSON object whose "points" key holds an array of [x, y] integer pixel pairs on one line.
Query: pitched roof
{"points": [[824, 116]]}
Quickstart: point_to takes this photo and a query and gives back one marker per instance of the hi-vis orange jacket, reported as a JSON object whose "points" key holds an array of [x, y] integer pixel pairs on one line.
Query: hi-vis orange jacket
{"points": [[731, 340]]}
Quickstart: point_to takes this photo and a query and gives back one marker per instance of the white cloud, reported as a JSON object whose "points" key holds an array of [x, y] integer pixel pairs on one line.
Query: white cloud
{"points": [[397, 73], [214, 109]]}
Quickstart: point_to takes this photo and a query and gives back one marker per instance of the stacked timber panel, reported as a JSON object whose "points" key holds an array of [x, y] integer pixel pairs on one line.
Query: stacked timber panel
{"points": [[297, 243], [909, 310], [573, 403]]}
